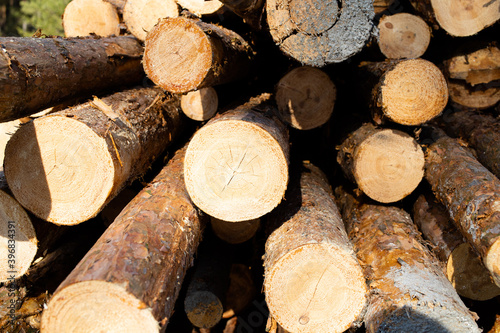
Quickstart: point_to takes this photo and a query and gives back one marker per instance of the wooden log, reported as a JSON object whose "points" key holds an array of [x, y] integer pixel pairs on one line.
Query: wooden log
{"points": [[319, 32], [235, 232], [136, 267], [40, 72], [236, 166], [241, 290], [479, 97], [471, 195], [403, 35], [118, 4], [110, 141], [408, 288], [496, 326], [481, 131], [459, 18], [86, 17], [386, 164], [313, 281], [200, 104], [201, 7], [183, 54], [250, 10], [305, 97], [409, 92], [140, 16], [463, 266]]}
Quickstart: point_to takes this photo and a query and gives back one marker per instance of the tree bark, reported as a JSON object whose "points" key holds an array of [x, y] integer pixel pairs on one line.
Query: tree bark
{"points": [[471, 195], [236, 166], [136, 268], [36, 73], [317, 32], [140, 16], [386, 164], [464, 268], [313, 281], [403, 35], [87, 17], [108, 141], [408, 288], [306, 97], [200, 104], [183, 54]]}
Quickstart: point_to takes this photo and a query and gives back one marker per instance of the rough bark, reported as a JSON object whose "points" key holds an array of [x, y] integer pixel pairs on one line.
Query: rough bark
{"points": [[471, 195], [36, 73], [236, 166], [136, 268], [140, 16], [313, 281], [463, 266], [386, 164], [408, 288], [403, 35], [87, 17], [183, 54], [109, 141], [200, 104]]}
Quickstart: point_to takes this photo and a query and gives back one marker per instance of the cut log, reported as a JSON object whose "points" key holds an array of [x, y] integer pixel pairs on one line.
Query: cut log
{"points": [[200, 104], [313, 281], [130, 279], [118, 4], [410, 92], [403, 35], [236, 166], [320, 32], [381, 6], [18, 242], [471, 195], [140, 16], [40, 72], [479, 97], [459, 18], [481, 131], [183, 54], [201, 7], [409, 290], [86, 17], [235, 232], [464, 268], [496, 327], [305, 97], [241, 290], [250, 10], [108, 141], [6, 131], [206, 290], [386, 164]]}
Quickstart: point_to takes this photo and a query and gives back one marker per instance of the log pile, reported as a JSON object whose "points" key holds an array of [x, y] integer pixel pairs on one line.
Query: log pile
{"points": [[305, 132]]}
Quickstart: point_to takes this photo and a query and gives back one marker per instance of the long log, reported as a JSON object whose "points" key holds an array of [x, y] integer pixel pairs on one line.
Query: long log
{"points": [[131, 277], [320, 32], [236, 166], [408, 288], [86, 17], [76, 160], [140, 16], [386, 164], [184, 54], [313, 281], [36, 73], [471, 195], [463, 266]]}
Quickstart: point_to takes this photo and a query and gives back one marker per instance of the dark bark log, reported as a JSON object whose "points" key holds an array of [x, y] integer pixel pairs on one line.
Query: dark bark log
{"points": [[251, 11]]}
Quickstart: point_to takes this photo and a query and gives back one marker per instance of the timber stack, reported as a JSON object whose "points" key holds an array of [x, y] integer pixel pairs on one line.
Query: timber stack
{"points": [[250, 165]]}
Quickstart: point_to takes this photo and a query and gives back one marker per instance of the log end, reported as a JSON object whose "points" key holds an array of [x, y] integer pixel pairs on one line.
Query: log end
{"points": [[178, 55], [414, 92], [325, 291], [492, 261], [200, 104], [140, 16], [203, 308], [97, 306], [235, 232], [68, 167], [86, 17]]}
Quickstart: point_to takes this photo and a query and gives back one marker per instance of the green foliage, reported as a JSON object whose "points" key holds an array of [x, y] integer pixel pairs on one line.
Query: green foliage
{"points": [[41, 14]]}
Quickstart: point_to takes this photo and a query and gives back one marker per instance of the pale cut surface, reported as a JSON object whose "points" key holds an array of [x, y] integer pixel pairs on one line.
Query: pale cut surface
{"points": [[413, 92], [469, 276], [6, 131], [388, 165], [305, 97], [17, 231], [204, 309], [325, 292], [68, 167], [178, 55], [235, 170], [403, 35], [235, 232], [200, 104], [201, 7], [85, 17], [492, 261], [465, 17], [481, 66], [140, 16], [97, 306]]}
